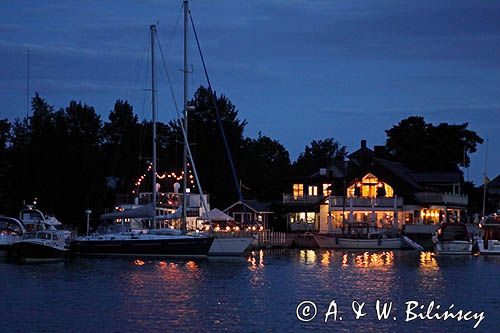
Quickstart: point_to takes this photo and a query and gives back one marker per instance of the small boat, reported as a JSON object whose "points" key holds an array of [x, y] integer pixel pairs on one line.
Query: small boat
{"points": [[489, 241], [11, 230], [44, 240], [41, 246], [452, 238], [360, 236]]}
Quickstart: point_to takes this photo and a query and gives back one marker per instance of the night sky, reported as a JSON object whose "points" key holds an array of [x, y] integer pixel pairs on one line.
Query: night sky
{"points": [[296, 70]]}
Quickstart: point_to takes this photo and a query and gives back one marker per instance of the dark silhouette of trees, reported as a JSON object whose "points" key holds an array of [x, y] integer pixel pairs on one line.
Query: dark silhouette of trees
{"points": [[70, 160], [264, 164], [207, 144], [424, 146], [319, 154]]}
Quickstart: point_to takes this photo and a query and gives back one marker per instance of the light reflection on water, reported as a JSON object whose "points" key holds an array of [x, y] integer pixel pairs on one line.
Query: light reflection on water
{"points": [[257, 293]]}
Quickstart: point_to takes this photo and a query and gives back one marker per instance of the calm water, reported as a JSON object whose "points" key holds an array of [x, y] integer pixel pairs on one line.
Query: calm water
{"points": [[257, 293]]}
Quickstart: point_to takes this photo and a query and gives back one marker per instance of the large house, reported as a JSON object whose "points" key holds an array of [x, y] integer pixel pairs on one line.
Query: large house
{"points": [[369, 187]]}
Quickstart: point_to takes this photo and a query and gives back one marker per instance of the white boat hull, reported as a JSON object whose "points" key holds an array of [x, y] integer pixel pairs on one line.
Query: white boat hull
{"points": [[493, 246], [229, 246], [332, 242], [453, 247]]}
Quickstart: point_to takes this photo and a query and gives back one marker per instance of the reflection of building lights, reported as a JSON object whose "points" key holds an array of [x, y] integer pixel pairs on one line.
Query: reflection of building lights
{"points": [[138, 262]]}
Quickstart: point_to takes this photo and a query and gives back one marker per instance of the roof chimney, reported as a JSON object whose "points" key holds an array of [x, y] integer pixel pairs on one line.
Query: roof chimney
{"points": [[363, 143]]}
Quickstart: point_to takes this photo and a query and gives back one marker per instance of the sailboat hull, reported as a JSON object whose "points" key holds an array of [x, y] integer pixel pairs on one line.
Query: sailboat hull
{"points": [[173, 247]]}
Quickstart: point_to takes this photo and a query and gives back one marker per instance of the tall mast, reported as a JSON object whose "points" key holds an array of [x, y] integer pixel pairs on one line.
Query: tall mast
{"points": [[186, 143], [485, 178], [153, 103], [28, 86]]}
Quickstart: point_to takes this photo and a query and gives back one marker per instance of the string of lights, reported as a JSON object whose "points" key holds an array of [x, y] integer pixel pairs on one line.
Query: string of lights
{"points": [[166, 175]]}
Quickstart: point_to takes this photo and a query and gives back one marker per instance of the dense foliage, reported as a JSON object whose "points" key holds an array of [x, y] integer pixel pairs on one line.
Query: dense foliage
{"points": [[70, 159]]}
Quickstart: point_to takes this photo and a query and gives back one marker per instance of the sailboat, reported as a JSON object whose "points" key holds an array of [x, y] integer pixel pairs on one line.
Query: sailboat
{"points": [[142, 242]]}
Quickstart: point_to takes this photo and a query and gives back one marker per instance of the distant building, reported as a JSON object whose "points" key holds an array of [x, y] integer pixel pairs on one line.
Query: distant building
{"points": [[493, 193], [369, 187], [249, 211]]}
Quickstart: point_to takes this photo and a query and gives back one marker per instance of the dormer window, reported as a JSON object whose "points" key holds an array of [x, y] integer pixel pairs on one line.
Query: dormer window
{"points": [[327, 189], [370, 187]]}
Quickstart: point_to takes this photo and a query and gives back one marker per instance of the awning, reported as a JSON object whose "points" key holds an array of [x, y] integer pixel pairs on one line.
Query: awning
{"points": [[145, 211], [216, 215]]}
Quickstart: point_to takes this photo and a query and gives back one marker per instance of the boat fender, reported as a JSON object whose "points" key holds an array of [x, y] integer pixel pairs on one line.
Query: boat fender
{"points": [[379, 242], [336, 241]]}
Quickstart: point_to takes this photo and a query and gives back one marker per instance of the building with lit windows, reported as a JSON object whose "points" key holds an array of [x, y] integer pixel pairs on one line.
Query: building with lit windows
{"points": [[369, 187]]}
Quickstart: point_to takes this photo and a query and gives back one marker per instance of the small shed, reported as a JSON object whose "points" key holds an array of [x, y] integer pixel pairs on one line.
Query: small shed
{"points": [[249, 211]]}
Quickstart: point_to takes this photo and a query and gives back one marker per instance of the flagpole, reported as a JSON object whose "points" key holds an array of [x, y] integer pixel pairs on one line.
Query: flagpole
{"points": [[485, 178]]}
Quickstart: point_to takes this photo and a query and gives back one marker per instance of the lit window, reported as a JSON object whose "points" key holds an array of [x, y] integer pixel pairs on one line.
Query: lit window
{"points": [[313, 190], [327, 189], [370, 187], [298, 190]]}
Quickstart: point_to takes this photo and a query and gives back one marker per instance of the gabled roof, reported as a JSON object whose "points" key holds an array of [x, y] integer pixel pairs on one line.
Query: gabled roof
{"points": [[253, 205], [400, 170], [495, 182]]}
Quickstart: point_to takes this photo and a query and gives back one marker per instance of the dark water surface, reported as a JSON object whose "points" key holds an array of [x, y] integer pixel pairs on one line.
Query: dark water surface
{"points": [[259, 293]]}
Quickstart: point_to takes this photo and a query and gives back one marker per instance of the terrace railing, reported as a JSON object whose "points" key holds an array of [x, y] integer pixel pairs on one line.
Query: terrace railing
{"points": [[307, 199], [338, 201], [442, 198]]}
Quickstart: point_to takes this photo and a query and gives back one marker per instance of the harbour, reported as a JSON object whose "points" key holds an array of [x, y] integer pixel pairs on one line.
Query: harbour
{"points": [[260, 166]]}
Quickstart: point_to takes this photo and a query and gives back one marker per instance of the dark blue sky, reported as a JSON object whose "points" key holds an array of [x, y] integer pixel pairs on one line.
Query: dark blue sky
{"points": [[296, 70]]}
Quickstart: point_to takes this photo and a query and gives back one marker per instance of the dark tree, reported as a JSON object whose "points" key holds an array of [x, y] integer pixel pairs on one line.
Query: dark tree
{"points": [[424, 146], [320, 154], [207, 145], [123, 138], [264, 163]]}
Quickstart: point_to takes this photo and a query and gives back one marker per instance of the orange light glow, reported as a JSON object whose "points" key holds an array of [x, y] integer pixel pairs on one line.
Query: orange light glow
{"points": [[139, 262]]}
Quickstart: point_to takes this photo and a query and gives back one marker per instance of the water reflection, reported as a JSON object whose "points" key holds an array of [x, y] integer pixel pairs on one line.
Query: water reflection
{"points": [[368, 260], [325, 258], [427, 261], [252, 259], [138, 262], [307, 257]]}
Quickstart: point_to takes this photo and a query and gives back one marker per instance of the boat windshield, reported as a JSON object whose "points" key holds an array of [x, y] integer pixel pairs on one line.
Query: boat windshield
{"points": [[10, 227], [454, 232]]}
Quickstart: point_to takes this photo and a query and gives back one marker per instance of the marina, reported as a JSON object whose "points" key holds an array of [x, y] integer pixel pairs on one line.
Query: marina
{"points": [[262, 166]]}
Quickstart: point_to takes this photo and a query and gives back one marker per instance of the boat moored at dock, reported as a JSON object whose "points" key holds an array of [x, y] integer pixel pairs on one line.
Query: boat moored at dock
{"points": [[489, 240], [452, 238], [42, 246], [360, 236]]}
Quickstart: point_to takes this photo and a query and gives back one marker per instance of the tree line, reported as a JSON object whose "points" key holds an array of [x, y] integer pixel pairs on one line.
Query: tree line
{"points": [[70, 159]]}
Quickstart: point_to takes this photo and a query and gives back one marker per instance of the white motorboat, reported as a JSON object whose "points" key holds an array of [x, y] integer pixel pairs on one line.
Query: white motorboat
{"points": [[42, 246], [489, 241], [360, 236], [452, 238], [44, 240], [11, 230]]}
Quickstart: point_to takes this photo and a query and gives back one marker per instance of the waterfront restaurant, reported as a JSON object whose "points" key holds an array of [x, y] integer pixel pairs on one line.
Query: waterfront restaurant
{"points": [[369, 187]]}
